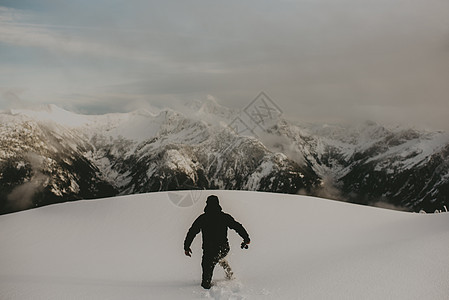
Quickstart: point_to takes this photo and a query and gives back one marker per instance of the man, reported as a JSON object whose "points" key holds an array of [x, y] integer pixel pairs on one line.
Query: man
{"points": [[214, 226]]}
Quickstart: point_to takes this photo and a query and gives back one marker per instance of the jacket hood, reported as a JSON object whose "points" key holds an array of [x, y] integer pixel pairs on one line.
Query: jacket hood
{"points": [[212, 205]]}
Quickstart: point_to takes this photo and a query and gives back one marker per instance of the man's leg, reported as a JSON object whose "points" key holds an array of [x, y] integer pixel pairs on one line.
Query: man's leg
{"points": [[210, 258], [208, 265], [224, 250], [227, 268]]}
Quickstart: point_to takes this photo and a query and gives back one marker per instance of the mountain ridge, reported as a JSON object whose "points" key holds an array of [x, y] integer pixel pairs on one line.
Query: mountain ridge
{"points": [[88, 156]]}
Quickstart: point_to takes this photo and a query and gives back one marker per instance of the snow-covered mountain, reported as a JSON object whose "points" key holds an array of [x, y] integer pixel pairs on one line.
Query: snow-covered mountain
{"points": [[375, 165], [50, 155], [301, 248]]}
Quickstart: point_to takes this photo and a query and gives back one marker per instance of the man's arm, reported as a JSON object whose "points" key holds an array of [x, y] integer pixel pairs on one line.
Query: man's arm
{"points": [[233, 224], [193, 231]]}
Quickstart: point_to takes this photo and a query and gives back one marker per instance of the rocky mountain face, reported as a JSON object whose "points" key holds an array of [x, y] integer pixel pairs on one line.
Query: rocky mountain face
{"points": [[42, 164], [370, 164], [50, 155], [48, 158]]}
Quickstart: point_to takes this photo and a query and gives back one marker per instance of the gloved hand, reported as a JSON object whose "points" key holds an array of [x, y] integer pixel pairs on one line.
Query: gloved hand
{"points": [[188, 252], [244, 244]]}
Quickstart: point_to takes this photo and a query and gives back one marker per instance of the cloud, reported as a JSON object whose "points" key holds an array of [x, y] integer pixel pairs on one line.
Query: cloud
{"points": [[282, 144], [10, 98], [74, 40], [383, 204], [320, 60], [33, 36], [21, 197]]}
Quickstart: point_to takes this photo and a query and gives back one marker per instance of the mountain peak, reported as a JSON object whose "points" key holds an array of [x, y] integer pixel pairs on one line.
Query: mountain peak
{"points": [[211, 111]]}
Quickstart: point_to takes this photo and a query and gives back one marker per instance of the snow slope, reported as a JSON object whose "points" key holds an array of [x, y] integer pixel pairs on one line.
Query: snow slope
{"points": [[302, 248]]}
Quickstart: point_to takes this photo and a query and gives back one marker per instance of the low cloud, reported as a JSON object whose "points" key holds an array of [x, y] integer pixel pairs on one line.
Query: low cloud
{"points": [[21, 197], [329, 189], [277, 143], [386, 205]]}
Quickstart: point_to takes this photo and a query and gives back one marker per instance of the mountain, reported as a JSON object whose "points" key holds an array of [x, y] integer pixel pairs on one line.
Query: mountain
{"points": [[50, 155], [53, 155], [375, 165], [41, 162], [301, 248]]}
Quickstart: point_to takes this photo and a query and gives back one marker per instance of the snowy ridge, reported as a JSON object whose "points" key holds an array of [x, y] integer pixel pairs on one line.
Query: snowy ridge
{"points": [[51, 113], [302, 248]]}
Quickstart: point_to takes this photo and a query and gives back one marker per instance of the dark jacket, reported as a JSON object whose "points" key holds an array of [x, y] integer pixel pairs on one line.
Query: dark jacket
{"points": [[214, 226]]}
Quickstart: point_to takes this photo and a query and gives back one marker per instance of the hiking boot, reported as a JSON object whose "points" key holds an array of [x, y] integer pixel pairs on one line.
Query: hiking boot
{"points": [[206, 285]]}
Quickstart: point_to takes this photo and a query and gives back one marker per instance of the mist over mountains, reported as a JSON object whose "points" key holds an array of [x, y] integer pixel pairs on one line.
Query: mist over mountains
{"points": [[49, 155]]}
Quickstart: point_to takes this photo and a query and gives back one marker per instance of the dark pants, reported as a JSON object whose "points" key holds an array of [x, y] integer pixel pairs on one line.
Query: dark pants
{"points": [[211, 256]]}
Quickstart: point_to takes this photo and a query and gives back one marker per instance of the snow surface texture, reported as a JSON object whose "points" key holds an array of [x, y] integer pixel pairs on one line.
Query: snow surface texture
{"points": [[302, 248]]}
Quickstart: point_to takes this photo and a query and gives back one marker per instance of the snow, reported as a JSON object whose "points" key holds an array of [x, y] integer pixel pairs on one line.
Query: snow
{"points": [[262, 171], [52, 113], [414, 152], [302, 248], [177, 161], [136, 125]]}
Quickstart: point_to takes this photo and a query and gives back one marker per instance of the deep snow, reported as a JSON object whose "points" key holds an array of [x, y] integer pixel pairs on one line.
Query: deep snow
{"points": [[302, 248]]}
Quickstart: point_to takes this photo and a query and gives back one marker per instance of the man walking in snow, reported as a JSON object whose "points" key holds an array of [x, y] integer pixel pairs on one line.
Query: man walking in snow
{"points": [[214, 226]]}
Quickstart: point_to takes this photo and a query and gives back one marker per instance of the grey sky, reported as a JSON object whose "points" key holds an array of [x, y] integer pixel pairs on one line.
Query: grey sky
{"points": [[318, 59]]}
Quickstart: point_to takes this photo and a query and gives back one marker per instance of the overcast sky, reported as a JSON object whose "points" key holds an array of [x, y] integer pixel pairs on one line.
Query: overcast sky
{"points": [[384, 60]]}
